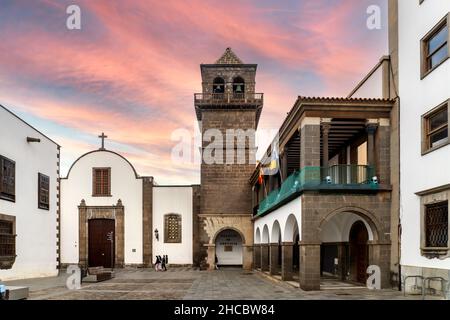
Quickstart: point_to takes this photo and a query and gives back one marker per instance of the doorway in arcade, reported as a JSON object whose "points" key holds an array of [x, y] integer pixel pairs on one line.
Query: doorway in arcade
{"points": [[229, 248]]}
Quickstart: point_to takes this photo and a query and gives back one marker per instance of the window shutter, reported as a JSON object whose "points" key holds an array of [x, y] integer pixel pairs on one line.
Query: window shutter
{"points": [[101, 179], [43, 191], [7, 179]]}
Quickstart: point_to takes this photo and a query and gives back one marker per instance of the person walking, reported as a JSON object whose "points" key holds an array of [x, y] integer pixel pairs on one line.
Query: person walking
{"points": [[157, 263], [216, 262], [163, 263]]}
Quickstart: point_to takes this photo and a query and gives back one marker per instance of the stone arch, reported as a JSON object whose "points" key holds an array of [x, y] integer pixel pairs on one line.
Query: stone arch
{"points": [[290, 227], [276, 232], [257, 236], [265, 235], [228, 245], [228, 228], [365, 215]]}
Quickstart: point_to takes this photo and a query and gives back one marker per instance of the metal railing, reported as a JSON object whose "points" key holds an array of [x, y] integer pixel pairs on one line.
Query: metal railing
{"points": [[217, 98], [333, 177], [348, 174], [424, 287]]}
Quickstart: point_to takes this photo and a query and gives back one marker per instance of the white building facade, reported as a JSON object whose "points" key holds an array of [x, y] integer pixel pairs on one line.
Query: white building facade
{"points": [[422, 29], [173, 217], [112, 217], [29, 204]]}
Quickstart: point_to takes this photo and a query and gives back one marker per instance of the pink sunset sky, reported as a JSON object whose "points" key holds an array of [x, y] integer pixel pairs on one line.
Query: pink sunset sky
{"points": [[132, 69]]}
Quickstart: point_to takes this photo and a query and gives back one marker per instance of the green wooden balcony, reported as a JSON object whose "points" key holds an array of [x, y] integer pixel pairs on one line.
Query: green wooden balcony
{"points": [[333, 178]]}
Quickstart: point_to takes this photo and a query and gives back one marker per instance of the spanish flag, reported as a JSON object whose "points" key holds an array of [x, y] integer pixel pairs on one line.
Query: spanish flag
{"points": [[261, 176]]}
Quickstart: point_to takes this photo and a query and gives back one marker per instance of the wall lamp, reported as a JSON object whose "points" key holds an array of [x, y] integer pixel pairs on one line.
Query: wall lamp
{"points": [[30, 139]]}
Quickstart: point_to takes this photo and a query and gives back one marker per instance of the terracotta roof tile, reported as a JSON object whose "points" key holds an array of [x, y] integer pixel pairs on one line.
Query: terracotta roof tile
{"points": [[341, 99]]}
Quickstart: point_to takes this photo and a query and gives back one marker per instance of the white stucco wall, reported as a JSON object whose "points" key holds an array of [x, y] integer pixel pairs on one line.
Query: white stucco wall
{"points": [[418, 97], [173, 199], [124, 186], [337, 229], [372, 87], [35, 228], [282, 214]]}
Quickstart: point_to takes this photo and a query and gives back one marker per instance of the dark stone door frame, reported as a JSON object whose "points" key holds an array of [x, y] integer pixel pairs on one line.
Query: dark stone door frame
{"points": [[116, 213]]}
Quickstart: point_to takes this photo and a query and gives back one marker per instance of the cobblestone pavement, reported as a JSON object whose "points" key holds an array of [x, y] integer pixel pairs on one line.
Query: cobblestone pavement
{"points": [[185, 283]]}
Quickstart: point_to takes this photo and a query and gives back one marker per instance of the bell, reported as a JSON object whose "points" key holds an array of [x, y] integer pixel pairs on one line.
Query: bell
{"points": [[238, 88]]}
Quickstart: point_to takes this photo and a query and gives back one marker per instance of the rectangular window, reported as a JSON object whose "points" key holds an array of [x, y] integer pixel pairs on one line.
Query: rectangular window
{"points": [[435, 124], [436, 225], [101, 182], [43, 191], [172, 228], [435, 47], [7, 241], [7, 179]]}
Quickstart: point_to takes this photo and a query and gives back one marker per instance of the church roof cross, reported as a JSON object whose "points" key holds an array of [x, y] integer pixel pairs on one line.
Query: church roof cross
{"points": [[103, 137]]}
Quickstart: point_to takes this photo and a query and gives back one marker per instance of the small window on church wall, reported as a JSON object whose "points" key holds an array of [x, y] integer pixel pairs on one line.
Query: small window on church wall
{"points": [[7, 242], [43, 191], [7, 179], [101, 178], [172, 228]]}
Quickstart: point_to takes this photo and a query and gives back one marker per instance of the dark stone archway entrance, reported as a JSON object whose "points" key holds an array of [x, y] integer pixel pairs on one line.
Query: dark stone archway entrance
{"points": [[359, 252]]}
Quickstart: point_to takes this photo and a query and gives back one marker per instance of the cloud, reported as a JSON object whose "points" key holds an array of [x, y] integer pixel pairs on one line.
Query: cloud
{"points": [[133, 68]]}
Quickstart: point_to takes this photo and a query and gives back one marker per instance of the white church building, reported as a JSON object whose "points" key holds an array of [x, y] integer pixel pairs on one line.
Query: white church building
{"points": [[112, 217], [29, 203]]}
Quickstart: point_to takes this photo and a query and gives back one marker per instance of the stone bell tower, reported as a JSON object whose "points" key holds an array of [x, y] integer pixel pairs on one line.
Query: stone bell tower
{"points": [[228, 104]]}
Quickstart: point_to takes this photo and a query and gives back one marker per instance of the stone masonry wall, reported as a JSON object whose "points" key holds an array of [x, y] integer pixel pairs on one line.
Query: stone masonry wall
{"points": [[225, 188], [147, 215], [373, 208]]}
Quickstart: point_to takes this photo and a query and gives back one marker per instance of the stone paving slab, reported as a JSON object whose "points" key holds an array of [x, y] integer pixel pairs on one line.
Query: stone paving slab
{"points": [[188, 284]]}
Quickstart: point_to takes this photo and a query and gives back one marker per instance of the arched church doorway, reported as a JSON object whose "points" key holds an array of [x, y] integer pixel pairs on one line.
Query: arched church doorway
{"points": [[359, 252], [229, 248], [101, 244]]}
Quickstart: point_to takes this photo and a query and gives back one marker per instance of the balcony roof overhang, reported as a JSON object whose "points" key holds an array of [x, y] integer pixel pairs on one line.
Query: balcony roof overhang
{"points": [[335, 108]]}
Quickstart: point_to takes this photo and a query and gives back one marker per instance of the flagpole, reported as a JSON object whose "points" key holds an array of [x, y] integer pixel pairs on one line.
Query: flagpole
{"points": [[264, 183]]}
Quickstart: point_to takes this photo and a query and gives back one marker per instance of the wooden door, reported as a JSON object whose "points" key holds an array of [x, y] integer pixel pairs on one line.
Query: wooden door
{"points": [[101, 243], [359, 253]]}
